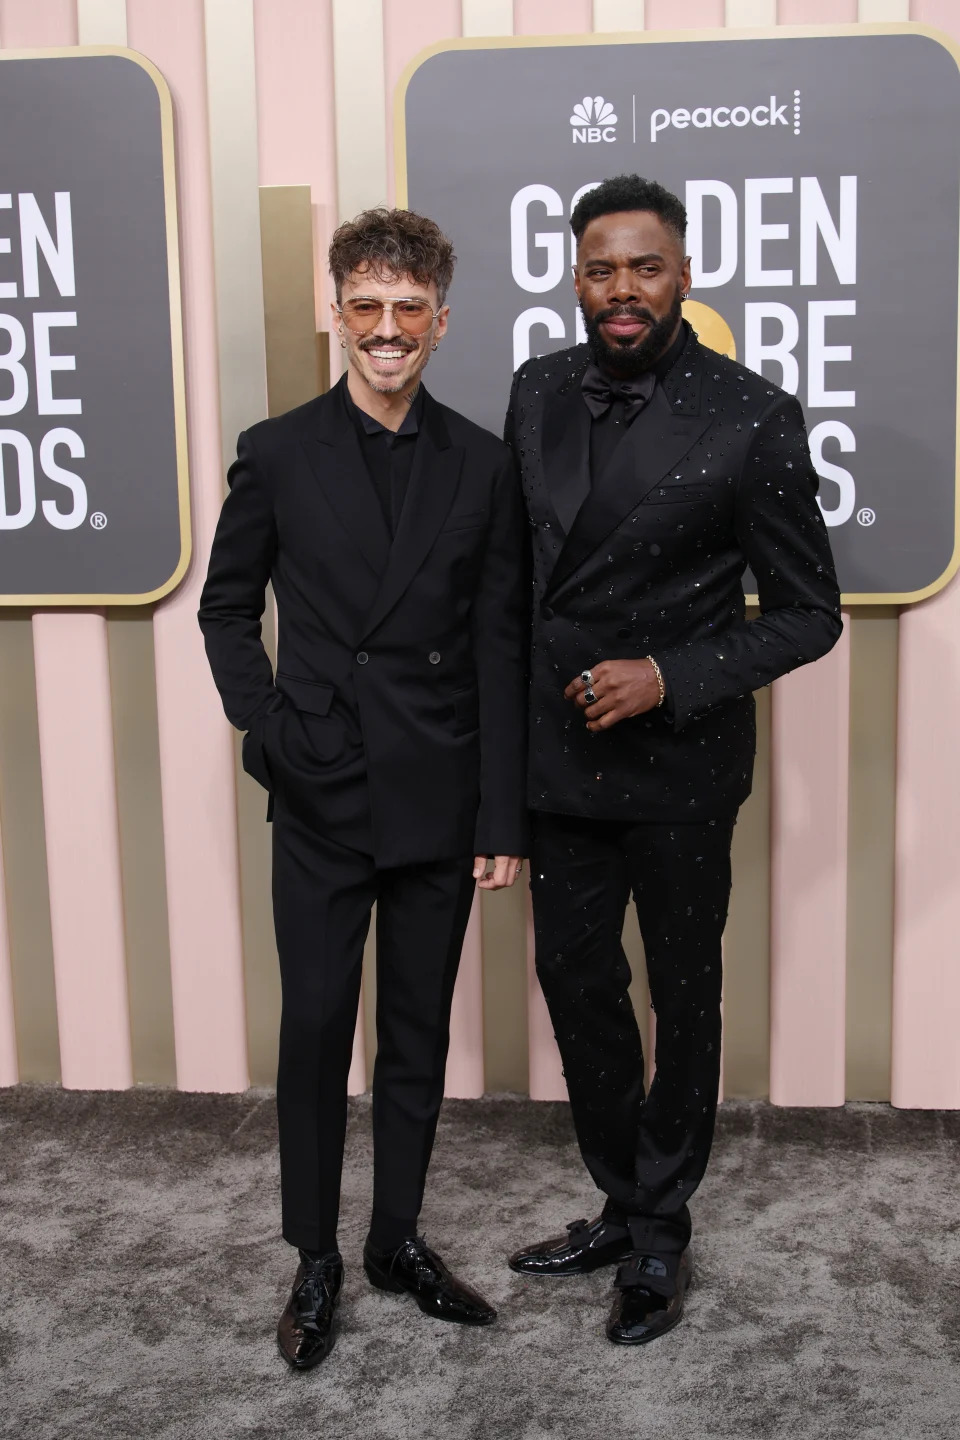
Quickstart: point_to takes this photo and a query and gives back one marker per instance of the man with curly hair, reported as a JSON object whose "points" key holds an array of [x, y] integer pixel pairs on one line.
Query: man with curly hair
{"points": [[655, 471], [391, 741]]}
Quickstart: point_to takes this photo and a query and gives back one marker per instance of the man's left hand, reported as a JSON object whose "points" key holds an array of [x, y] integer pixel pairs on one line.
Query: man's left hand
{"points": [[505, 870], [622, 687]]}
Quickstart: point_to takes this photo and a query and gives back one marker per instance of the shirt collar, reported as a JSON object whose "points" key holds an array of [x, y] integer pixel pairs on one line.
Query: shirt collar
{"points": [[408, 426]]}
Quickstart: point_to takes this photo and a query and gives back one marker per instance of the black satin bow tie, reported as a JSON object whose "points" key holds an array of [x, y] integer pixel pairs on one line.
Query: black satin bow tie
{"points": [[599, 392]]}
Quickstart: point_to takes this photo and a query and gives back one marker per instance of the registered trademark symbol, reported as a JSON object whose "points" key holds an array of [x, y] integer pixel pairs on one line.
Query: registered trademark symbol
{"points": [[98, 520], [866, 516]]}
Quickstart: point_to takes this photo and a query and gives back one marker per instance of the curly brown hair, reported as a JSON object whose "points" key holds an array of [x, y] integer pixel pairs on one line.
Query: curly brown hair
{"points": [[392, 242]]}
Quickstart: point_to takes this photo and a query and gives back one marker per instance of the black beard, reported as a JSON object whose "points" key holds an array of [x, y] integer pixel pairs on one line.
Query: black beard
{"points": [[628, 360]]}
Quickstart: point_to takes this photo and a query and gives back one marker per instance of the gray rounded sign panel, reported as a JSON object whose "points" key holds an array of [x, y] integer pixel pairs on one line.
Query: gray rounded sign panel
{"points": [[93, 480], [821, 175]]}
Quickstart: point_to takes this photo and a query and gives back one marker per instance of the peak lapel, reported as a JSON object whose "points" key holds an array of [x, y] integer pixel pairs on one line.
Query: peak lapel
{"points": [[654, 443], [566, 452], [336, 459], [433, 484]]}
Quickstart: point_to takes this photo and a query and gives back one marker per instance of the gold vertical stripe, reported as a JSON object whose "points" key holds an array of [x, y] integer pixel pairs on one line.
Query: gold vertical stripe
{"points": [[25, 855], [102, 22], [286, 243], [487, 17], [746, 989], [871, 848], [504, 921], [133, 699], [610, 16], [360, 103], [872, 12]]}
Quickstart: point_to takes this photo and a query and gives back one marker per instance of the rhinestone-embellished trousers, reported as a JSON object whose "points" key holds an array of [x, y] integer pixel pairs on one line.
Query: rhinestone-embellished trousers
{"points": [[646, 1152]]}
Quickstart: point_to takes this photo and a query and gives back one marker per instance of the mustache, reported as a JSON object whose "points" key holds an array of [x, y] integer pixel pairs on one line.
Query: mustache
{"points": [[377, 342], [621, 312]]}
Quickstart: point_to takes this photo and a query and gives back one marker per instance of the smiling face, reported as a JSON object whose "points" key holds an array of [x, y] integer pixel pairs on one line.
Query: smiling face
{"points": [[388, 358], [630, 277]]}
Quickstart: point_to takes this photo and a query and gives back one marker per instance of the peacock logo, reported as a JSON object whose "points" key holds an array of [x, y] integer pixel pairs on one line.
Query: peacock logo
{"points": [[593, 121]]}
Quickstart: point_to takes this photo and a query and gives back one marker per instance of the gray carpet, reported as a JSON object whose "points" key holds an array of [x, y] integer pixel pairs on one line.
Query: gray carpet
{"points": [[142, 1274]]}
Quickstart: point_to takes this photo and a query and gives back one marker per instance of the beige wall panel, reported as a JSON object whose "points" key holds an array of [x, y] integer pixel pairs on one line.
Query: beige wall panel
{"points": [[746, 946], [488, 17], [234, 180], [25, 855], [368, 999], [505, 988], [133, 698], [609, 16], [879, 11], [102, 22], [751, 12], [360, 105], [873, 758], [286, 240]]}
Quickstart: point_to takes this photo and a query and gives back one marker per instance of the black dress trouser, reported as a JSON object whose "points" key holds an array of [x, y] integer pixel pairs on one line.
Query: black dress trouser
{"points": [[648, 1153], [323, 894]]}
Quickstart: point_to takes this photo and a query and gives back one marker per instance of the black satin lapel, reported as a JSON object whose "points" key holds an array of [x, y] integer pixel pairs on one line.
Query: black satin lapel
{"points": [[566, 449], [333, 451], [654, 443], [433, 484]]}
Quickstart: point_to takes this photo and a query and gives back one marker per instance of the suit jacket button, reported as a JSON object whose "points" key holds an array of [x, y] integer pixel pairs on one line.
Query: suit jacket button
{"points": [[547, 612], [624, 632], [434, 657], [362, 658]]}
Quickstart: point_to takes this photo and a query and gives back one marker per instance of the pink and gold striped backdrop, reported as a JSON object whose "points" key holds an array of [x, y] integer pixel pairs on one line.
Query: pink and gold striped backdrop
{"points": [[134, 932]]}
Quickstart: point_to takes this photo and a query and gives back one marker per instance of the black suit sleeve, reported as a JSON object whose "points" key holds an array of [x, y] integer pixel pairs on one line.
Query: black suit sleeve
{"points": [[784, 539], [500, 630], [233, 599]]}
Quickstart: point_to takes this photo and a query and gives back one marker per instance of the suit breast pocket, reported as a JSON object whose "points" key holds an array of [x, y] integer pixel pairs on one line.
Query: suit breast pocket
{"points": [[465, 520], [680, 494]]}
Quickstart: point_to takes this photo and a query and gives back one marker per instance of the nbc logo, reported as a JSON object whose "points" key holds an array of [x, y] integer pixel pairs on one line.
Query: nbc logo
{"points": [[593, 120]]}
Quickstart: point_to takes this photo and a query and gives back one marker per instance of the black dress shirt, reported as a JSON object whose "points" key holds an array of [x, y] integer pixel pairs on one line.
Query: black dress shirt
{"points": [[607, 430], [388, 454]]}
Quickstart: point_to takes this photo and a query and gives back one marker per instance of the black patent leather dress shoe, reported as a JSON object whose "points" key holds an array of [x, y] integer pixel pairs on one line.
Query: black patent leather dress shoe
{"points": [[306, 1331], [648, 1299], [586, 1246], [414, 1269]]}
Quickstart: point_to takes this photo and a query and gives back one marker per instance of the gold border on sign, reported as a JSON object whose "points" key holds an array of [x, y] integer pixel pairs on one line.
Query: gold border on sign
{"points": [[176, 328], [661, 37]]}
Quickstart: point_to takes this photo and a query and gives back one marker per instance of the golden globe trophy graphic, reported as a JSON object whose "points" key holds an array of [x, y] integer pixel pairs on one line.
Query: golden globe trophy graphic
{"points": [[712, 330]]}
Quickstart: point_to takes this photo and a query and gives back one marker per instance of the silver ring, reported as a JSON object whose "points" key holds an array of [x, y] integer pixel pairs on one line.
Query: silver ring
{"points": [[587, 677], [589, 696]]}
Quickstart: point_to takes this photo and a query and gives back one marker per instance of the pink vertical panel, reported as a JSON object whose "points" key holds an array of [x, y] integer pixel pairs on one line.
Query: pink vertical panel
{"points": [[546, 1070], [9, 1073], [32, 24], [684, 14], [79, 795], [295, 117], [464, 1080], [816, 12], [407, 30], [196, 746], [808, 881], [83, 849], [552, 17], [944, 14], [926, 977]]}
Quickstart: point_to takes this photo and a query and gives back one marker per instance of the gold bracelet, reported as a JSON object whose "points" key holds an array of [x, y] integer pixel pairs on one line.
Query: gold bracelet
{"points": [[660, 685]]}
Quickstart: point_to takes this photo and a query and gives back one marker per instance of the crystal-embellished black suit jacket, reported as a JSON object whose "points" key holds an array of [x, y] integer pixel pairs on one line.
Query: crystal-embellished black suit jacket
{"points": [[713, 476]]}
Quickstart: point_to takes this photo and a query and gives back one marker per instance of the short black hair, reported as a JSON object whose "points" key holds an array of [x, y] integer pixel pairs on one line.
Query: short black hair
{"points": [[629, 192]]}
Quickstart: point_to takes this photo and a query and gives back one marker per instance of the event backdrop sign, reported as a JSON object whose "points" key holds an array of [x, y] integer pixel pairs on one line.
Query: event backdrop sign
{"points": [[821, 174], [94, 503]]}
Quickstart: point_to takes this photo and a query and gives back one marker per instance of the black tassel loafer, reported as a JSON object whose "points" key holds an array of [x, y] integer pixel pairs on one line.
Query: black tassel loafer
{"points": [[587, 1246], [306, 1332], [648, 1299], [414, 1269]]}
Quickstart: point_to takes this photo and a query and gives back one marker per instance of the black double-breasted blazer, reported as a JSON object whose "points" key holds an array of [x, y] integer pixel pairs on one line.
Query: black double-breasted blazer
{"points": [[714, 475], [397, 715]]}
